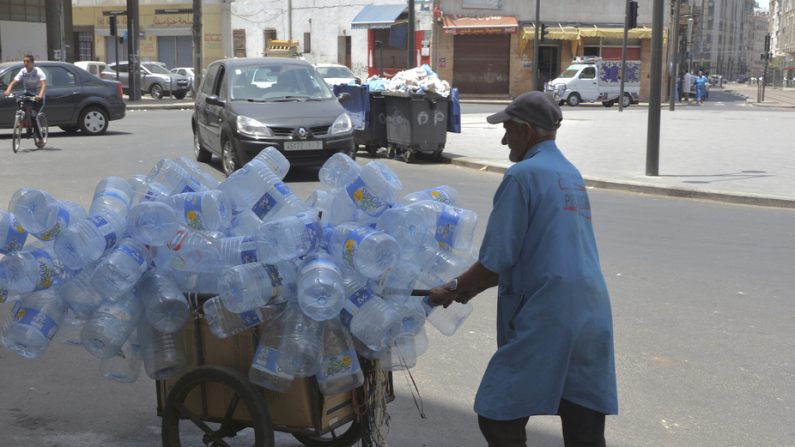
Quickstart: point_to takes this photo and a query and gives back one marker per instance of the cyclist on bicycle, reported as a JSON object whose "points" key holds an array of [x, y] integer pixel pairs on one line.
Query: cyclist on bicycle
{"points": [[35, 83]]}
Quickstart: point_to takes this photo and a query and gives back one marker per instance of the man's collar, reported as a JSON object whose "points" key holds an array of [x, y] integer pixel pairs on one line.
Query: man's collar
{"points": [[542, 145]]}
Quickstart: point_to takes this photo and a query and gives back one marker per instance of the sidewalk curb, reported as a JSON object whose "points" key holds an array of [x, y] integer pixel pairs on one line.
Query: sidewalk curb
{"points": [[737, 199]]}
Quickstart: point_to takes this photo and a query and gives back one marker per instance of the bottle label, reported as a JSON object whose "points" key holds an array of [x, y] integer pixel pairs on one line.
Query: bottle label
{"points": [[365, 199], [248, 250], [47, 273], [175, 244], [192, 210], [343, 364], [276, 279], [114, 194], [446, 226], [440, 196], [188, 188], [105, 229], [264, 205], [351, 243], [133, 253], [353, 304], [313, 236], [15, 237], [3, 294], [266, 359], [251, 318], [60, 223], [283, 189], [33, 318]]}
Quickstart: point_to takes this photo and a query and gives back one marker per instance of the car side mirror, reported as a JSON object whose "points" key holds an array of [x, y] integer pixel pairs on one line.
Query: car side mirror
{"points": [[344, 96], [213, 100]]}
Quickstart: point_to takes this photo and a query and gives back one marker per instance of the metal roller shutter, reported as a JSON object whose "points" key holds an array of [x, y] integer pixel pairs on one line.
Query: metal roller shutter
{"points": [[481, 63]]}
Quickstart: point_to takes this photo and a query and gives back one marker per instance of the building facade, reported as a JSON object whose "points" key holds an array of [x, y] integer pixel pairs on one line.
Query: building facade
{"points": [[782, 33], [721, 46]]}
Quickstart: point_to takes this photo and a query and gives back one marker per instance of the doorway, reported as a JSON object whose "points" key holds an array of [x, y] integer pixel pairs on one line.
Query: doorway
{"points": [[548, 63]]}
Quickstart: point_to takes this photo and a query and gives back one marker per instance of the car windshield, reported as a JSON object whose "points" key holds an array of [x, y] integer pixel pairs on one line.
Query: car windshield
{"points": [[156, 68], [277, 83], [569, 73], [335, 72]]}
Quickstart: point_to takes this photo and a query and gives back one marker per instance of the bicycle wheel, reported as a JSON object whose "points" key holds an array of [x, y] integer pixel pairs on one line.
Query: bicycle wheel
{"points": [[43, 129], [16, 139]]}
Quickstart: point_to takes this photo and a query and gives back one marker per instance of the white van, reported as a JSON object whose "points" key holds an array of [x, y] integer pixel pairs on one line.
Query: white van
{"points": [[592, 79], [93, 67]]}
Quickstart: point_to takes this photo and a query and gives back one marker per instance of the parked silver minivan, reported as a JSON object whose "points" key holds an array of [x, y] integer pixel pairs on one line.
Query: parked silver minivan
{"points": [[155, 79]]}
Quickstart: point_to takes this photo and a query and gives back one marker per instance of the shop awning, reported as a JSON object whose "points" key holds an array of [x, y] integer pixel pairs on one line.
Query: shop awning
{"points": [[560, 32], [615, 33], [377, 16], [479, 25]]}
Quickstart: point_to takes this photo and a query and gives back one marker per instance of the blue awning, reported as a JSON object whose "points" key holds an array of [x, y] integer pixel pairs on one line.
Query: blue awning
{"points": [[377, 16]]}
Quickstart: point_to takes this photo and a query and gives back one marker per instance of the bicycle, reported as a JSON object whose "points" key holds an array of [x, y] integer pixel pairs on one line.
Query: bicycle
{"points": [[23, 120]]}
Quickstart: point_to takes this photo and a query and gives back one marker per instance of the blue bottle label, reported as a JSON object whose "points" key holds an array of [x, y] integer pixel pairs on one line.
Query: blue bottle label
{"points": [[188, 188], [266, 359], [47, 272], [364, 198], [264, 205], [60, 223], [192, 210], [248, 250], [35, 319], [251, 318], [351, 243], [283, 189], [15, 237], [440, 196], [345, 318], [343, 364], [105, 229], [276, 279], [357, 300], [131, 251], [446, 226], [313, 236]]}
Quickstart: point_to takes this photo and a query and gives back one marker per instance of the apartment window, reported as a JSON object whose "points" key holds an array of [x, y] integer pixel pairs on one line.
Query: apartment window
{"points": [[23, 10], [239, 42], [307, 42], [85, 41]]}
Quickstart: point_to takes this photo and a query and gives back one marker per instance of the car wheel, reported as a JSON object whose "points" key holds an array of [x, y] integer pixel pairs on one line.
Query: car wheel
{"points": [[69, 129], [93, 121], [626, 100], [202, 155], [608, 103], [230, 160], [156, 91], [180, 95], [573, 100]]}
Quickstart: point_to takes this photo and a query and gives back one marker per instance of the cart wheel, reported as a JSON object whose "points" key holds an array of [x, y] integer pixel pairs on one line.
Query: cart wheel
{"points": [[372, 150], [345, 436], [180, 423], [391, 151], [409, 156]]}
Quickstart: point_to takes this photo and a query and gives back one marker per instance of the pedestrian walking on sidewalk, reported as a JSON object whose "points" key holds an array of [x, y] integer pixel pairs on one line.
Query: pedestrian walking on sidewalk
{"points": [[701, 87], [554, 324], [688, 85]]}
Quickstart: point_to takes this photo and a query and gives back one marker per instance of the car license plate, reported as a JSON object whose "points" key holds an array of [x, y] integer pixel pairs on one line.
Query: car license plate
{"points": [[303, 145]]}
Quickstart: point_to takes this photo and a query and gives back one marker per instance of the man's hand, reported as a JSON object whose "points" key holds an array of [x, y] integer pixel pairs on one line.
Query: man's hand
{"points": [[441, 296], [6, 93], [38, 98]]}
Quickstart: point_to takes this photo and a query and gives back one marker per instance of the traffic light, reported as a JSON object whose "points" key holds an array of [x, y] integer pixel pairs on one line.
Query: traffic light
{"points": [[542, 31], [112, 25], [767, 43], [632, 18]]}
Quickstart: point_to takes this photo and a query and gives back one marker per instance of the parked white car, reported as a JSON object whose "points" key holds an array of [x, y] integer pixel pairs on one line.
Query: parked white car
{"points": [[335, 74], [93, 67], [188, 73]]}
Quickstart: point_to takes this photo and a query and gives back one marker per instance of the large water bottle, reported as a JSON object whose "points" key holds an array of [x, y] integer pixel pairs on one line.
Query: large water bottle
{"points": [[110, 326], [165, 307], [79, 294], [34, 321], [255, 187], [205, 210], [368, 317], [12, 235], [238, 250], [224, 324], [289, 237], [173, 177], [443, 193], [205, 283], [112, 194], [274, 160], [372, 188], [368, 251], [87, 240], [244, 223], [339, 170], [120, 270], [412, 227], [455, 227], [190, 251], [264, 370], [200, 175], [402, 355], [320, 291], [250, 286], [33, 268], [300, 343], [146, 190], [152, 223], [447, 320], [443, 266], [339, 366], [42, 215], [334, 207], [164, 353], [125, 366]]}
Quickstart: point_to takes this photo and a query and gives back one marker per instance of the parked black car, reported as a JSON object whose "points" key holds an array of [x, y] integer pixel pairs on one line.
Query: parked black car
{"points": [[75, 99], [245, 105]]}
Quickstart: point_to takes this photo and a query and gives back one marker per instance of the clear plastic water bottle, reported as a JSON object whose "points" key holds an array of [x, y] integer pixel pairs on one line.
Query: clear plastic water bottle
{"points": [[12, 235], [165, 307], [224, 324], [447, 320], [289, 237], [112, 194], [320, 291], [255, 187], [334, 207], [152, 223], [455, 227], [264, 370], [244, 223], [421, 342], [79, 294], [173, 177], [110, 326], [42, 215], [412, 315], [87, 240], [443, 266], [164, 354], [197, 282], [120, 270], [204, 210], [339, 366], [339, 170], [274, 160], [372, 188], [402, 355], [35, 319], [368, 317], [238, 250], [442, 193], [33, 268], [300, 343], [368, 251], [146, 190], [125, 366], [412, 227], [250, 286], [195, 170], [190, 251], [70, 329]]}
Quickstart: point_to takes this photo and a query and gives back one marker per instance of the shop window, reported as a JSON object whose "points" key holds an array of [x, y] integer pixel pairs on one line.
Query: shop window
{"points": [[239, 42], [307, 42]]}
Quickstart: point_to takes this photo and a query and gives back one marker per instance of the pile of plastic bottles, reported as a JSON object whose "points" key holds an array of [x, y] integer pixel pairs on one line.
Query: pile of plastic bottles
{"points": [[322, 279], [418, 81]]}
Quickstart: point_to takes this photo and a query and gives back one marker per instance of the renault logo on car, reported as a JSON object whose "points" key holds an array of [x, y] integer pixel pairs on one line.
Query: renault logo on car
{"points": [[302, 133]]}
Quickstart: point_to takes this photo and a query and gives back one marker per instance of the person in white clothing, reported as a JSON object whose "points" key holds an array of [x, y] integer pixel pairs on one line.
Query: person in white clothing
{"points": [[687, 85], [34, 80]]}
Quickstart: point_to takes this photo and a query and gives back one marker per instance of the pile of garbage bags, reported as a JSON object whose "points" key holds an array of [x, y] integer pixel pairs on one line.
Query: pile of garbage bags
{"points": [[418, 81]]}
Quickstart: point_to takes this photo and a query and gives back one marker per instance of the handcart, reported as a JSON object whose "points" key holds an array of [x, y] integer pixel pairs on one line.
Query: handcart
{"points": [[214, 400]]}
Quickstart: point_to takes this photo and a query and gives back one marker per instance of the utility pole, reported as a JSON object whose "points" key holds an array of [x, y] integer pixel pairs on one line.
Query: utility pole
{"points": [[623, 59], [134, 64], [653, 132], [197, 45], [674, 54], [411, 60], [536, 56]]}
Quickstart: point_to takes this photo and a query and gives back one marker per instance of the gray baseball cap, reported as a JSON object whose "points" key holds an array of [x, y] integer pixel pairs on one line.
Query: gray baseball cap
{"points": [[536, 108]]}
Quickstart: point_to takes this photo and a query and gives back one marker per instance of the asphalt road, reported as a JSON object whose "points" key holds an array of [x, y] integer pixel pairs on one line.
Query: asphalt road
{"points": [[702, 299]]}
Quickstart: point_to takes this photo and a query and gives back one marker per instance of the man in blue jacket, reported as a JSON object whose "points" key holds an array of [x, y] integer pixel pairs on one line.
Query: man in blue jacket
{"points": [[554, 325]]}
